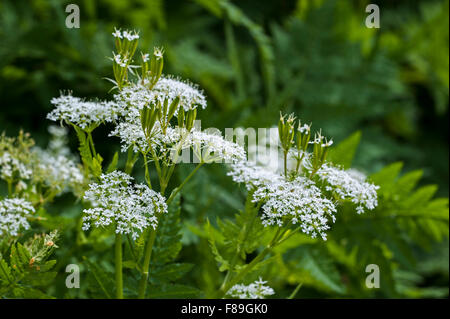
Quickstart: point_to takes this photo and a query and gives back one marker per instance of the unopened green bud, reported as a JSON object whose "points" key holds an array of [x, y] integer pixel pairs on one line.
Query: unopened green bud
{"points": [[156, 65], [173, 107], [180, 117], [190, 118], [286, 131]]}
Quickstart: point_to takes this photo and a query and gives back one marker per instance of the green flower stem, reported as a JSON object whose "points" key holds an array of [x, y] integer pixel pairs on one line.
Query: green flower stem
{"points": [[147, 173], [146, 265], [295, 291], [177, 190], [285, 164], [131, 159], [9, 187], [168, 174], [118, 261], [157, 166], [300, 159], [283, 239]]}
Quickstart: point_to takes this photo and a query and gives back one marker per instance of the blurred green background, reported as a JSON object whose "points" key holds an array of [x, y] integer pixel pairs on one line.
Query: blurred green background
{"points": [[315, 58]]}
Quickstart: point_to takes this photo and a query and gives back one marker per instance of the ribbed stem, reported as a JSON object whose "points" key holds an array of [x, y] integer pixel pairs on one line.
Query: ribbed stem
{"points": [[146, 264]]}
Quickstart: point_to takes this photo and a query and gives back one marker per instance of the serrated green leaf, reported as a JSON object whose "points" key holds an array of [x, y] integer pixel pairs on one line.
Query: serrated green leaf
{"points": [[171, 272], [313, 266], [39, 279], [102, 278], [5, 272], [387, 176], [223, 263], [407, 182], [168, 238]]}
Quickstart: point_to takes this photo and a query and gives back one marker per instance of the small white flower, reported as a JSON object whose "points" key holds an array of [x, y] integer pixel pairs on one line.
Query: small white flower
{"points": [[117, 34], [298, 202], [13, 215], [11, 167], [83, 113], [59, 170], [158, 53], [256, 290], [131, 135], [328, 143], [117, 58], [251, 175], [116, 201], [304, 128], [350, 185], [145, 57], [213, 147], [130, 36]]}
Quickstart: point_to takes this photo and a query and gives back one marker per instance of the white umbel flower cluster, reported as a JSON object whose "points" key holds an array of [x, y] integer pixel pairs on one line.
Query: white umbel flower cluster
{"points": [[169, 88], [213, 147], [11, 167], [298, 202], [84, 114], [350, 185], [116, 201], [256, 290], [59, 171], [301, 201], [251, 175], [131, 135], [58, 140], [13, 215], [56, 163]]}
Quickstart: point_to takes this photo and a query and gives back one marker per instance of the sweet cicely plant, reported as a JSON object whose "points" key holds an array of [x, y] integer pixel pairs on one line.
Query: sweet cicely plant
{"points": [[154, 116]]}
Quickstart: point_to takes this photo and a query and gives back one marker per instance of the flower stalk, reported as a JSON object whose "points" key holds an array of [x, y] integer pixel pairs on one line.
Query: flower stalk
{"points": [[118, 264]]}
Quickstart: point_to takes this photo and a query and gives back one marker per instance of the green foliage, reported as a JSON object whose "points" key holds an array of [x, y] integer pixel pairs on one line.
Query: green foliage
{"points": [[406, 219], [390, 85], [344, 153], [311, 266], [91, 161], [243, 235], [165, 271], [28, 271], [100, 281]]}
